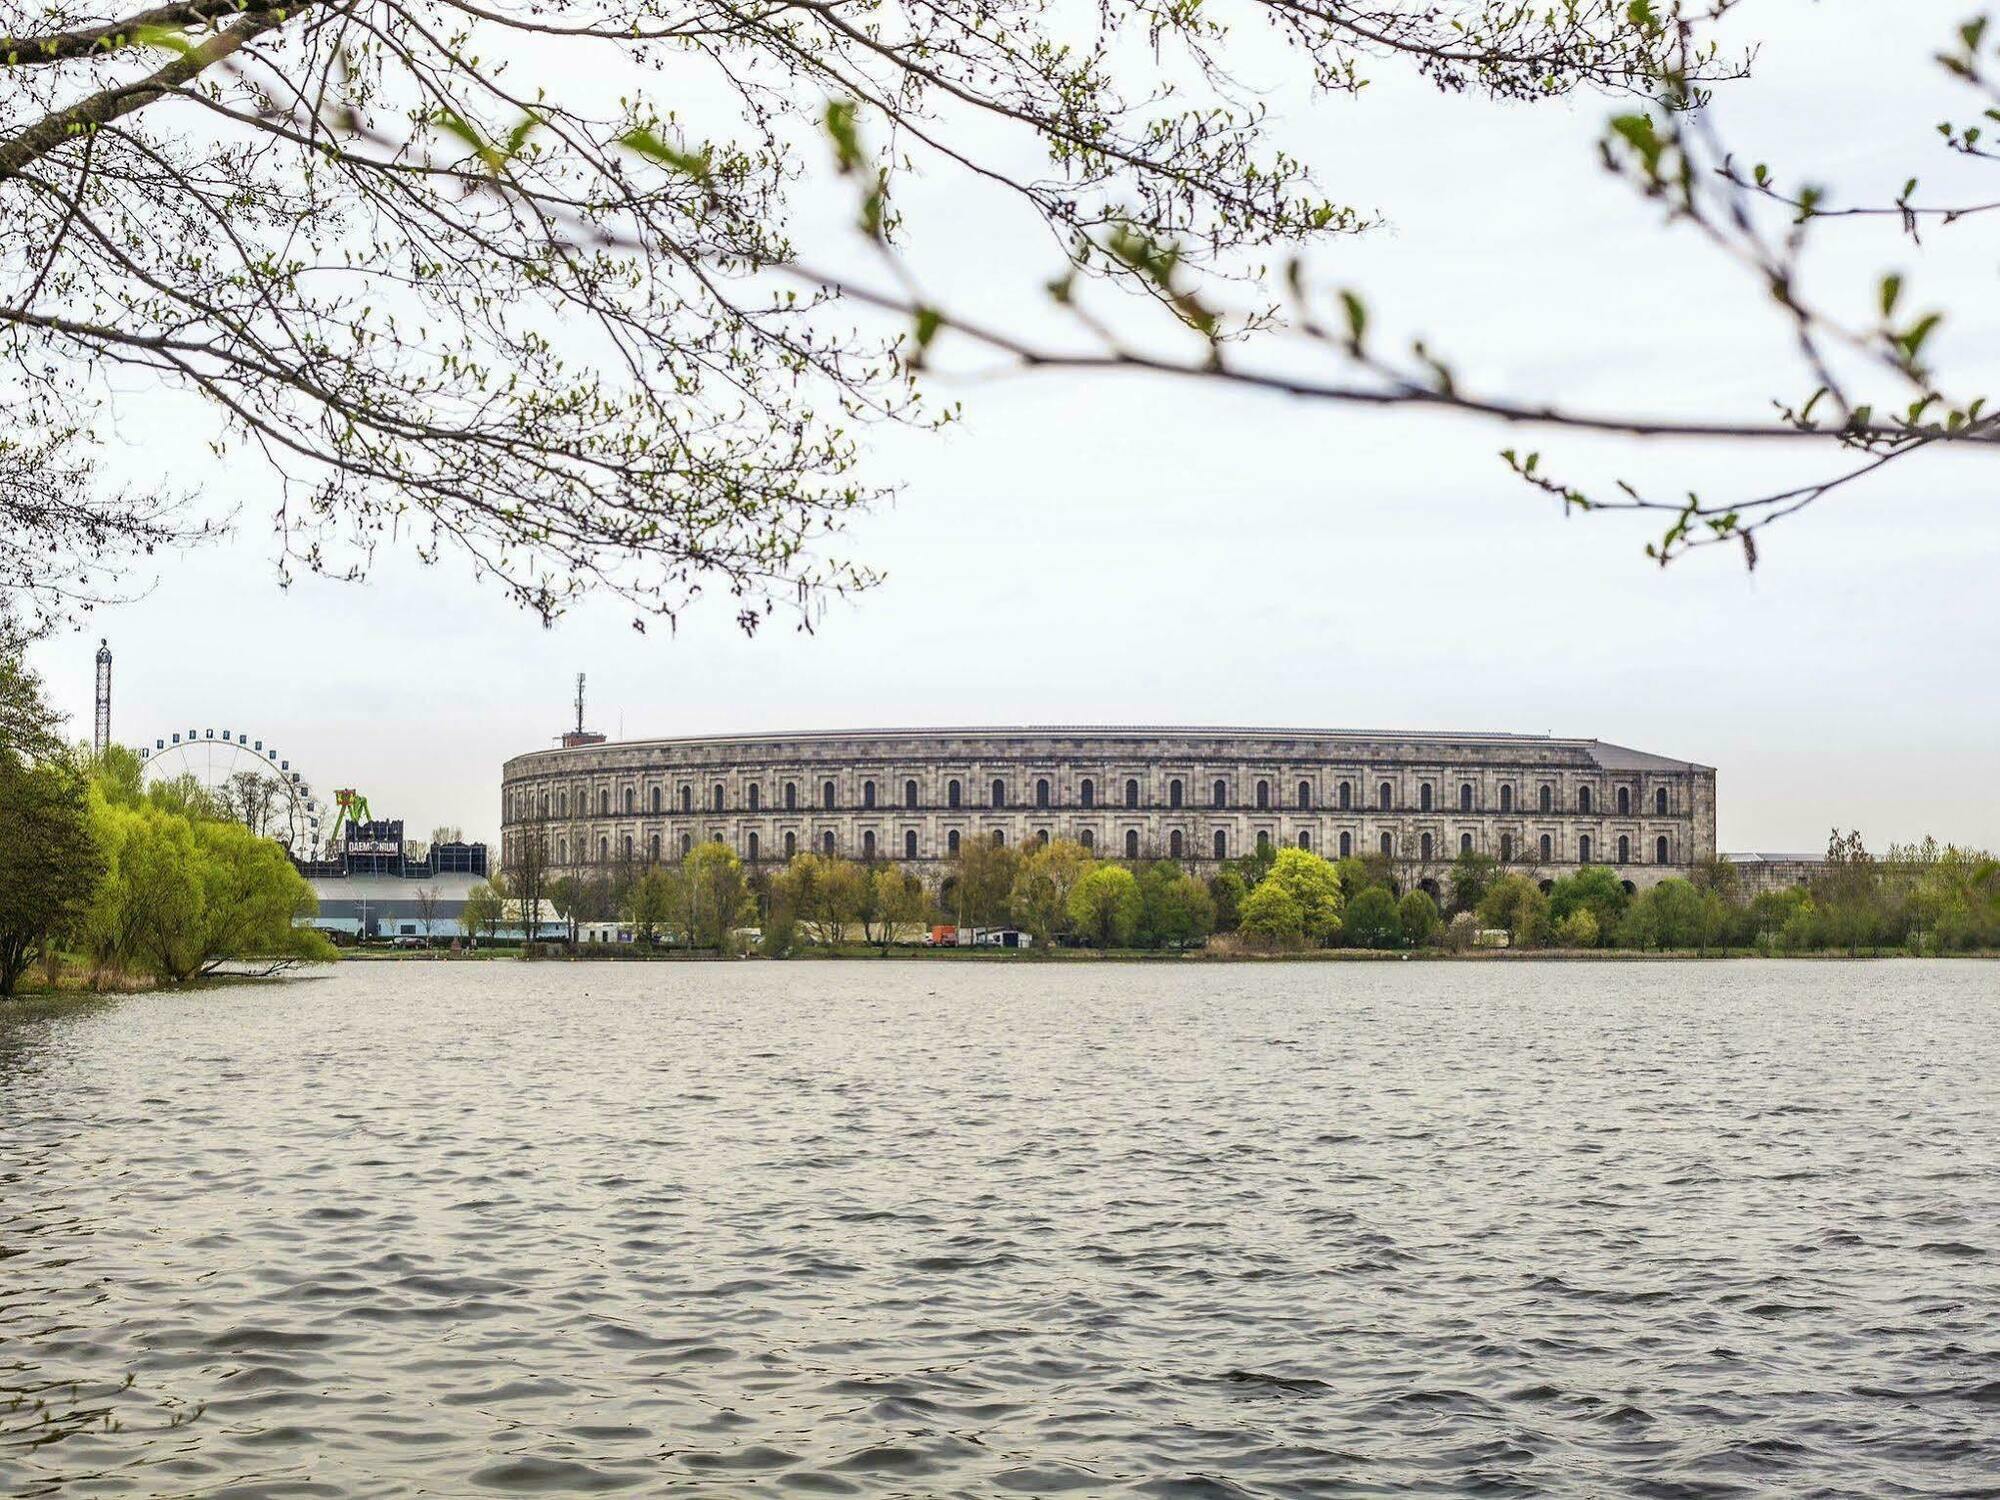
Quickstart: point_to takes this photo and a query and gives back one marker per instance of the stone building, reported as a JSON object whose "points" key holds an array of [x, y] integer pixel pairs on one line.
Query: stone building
{"points": [[1540, 804]]}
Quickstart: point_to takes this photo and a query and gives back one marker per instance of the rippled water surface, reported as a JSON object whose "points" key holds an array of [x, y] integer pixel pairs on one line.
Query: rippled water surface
{"points": [[927, 1229]]}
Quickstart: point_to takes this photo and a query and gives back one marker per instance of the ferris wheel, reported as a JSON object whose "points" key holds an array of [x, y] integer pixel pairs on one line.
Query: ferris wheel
{"points": [[247, 777]]}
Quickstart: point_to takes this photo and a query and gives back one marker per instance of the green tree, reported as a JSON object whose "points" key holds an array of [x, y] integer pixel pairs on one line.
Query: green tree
{"points": [[1039, 901], [1471, 873], [182, 898], [1517, 905], [1577, 930], [29, 728], [982, 881], [1105, 906], [484, 911], [1272, 913], [652, 901], [1314, 885], [823, 892], [714, 897], [1373, 920], [1225, 894], [50, 862], [1593, 887], [1417, 916], [1176, 909], [896, 899], [1848, 893]]}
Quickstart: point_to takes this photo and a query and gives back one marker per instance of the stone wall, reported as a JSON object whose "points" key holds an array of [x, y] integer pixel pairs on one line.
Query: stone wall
{"points": [[913, 795]]}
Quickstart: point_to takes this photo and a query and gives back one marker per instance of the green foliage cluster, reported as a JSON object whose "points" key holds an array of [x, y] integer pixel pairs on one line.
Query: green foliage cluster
{"points": [[156, 881]]}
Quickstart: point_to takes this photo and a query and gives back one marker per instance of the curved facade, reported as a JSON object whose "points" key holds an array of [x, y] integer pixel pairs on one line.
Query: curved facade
{"points": [[1534, 802]]}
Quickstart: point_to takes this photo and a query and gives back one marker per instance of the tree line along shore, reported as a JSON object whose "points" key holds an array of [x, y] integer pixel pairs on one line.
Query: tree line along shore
{"points": [[1928, 899]]}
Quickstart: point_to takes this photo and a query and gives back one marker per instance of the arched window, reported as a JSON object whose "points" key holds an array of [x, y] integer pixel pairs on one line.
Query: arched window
{"points": [[603, 850], [562, 851], [1506, 799], [791, 845], [1086, 794], [1041, 791], [1465, 843], [1385, 796], [1305, 794], [1548, 798], [1583, 849], [1042, 837], [1221, 844], [1424, 797], [1660, 801], [1624, 850], [545, 802], [628, 847], [1174, 792], [1548, 849], [910, 793], [687, 799], [826, 796], [1389, 845], [1305, 838], [687, 844], [1220, 794], [562, 799], [1174, 846], [1131, 792], [1624, 800], [1583, 799], [867, 794], [951, 843], [1465, 796], [954, 794], [751, 848], [653, 850], [754, 794], [1506, 848], [715, 797], [999, 838], [868, 846], [1263, 795], [999, 792], [1087, 839], [1347, 846], [656, 801], [1660, 850], [1346, 795], [1424, 849], [604, 804], [1131, 843], [909, 843], [631, 802], [791, 796], [1263, 839], [826, 843]]}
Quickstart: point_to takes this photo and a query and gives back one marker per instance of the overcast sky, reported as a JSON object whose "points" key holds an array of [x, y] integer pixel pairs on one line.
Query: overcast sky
{"points": [[1138, 550]]}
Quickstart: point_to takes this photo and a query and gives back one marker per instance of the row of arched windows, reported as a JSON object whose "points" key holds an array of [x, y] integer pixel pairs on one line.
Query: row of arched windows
{"points": [[1176, 845], [1385, 796]]}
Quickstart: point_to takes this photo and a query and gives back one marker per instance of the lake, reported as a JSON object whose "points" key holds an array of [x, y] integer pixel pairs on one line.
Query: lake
{"points": [[923, 1229]]}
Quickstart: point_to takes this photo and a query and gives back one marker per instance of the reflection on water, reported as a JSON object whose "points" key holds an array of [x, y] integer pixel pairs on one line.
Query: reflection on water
{"points": [[909, 1229]]}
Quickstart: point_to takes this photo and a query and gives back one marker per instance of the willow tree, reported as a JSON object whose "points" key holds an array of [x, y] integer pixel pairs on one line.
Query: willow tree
{"points": [[528, 282]]}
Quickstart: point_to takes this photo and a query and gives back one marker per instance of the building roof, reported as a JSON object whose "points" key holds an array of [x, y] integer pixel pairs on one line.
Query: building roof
{"points": [[1602, 753]]}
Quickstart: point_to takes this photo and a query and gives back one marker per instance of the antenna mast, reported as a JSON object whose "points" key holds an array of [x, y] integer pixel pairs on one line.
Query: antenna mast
{"points": [[102, 739], [572, 738]]}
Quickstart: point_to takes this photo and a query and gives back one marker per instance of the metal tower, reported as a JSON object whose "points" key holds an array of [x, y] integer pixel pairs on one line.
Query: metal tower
{"points": [[103, 737], [579, 703]]}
